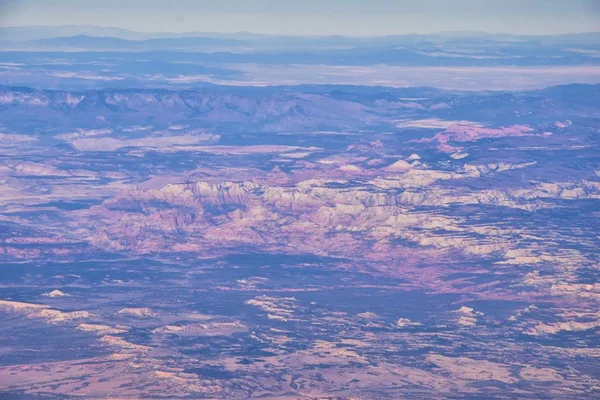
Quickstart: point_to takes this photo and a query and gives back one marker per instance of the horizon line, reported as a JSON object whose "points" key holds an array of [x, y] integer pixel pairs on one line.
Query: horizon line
{"points": [[445, 32]]}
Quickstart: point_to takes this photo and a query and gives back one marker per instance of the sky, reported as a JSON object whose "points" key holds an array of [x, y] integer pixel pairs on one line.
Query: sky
{"points": [[312, 17]]}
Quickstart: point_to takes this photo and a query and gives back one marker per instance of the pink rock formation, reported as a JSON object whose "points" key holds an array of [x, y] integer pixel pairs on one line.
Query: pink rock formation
{"points": [[467, 133]]}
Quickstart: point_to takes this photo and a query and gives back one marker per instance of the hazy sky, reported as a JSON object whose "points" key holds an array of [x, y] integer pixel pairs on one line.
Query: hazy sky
{"points": [[311, 17]]}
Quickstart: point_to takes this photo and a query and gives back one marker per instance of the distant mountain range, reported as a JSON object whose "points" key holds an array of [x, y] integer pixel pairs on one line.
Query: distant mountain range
{"points": [[305, 108], [464, 49], [27, 33], [103, 38]]}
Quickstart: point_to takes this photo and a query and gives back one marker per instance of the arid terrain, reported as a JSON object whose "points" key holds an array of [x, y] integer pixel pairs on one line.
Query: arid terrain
{"points": [[162, 236], [337, 243]]}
